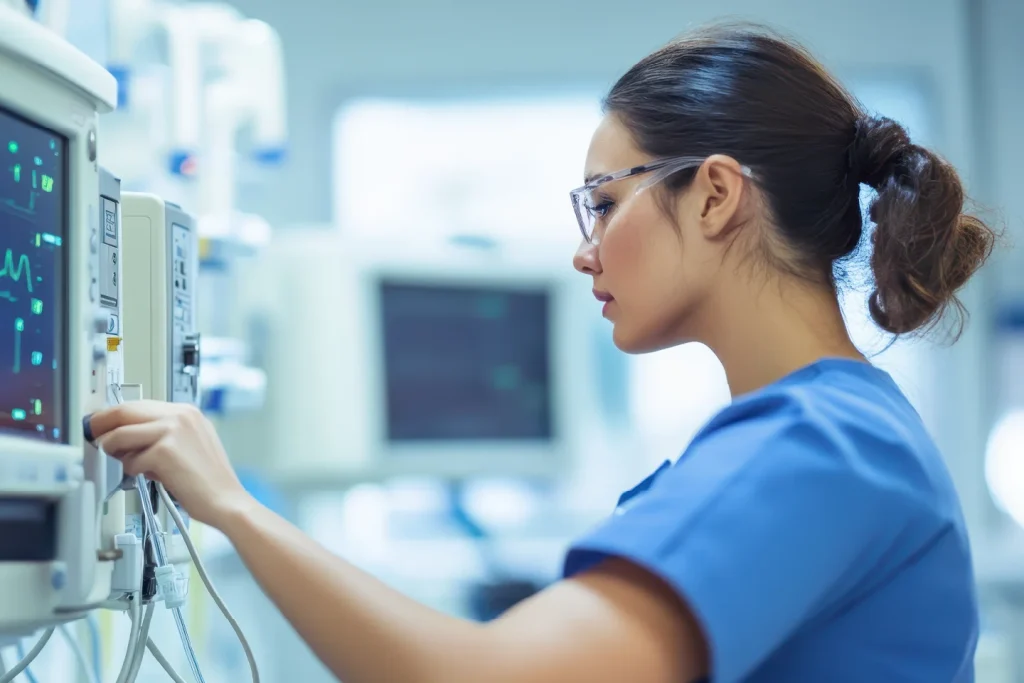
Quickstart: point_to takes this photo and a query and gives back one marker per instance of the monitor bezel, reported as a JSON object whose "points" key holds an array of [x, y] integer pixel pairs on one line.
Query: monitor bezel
{"points": [[541, 291], [528, 458]]}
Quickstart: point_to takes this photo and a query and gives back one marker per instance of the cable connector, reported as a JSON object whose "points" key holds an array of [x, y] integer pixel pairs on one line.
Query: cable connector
{"points": [[127, 576], [172, 586]]}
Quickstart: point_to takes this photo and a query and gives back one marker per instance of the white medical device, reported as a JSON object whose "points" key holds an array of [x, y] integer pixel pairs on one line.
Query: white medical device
{"points": [[53, 330], [160, 323], [436, 360]]}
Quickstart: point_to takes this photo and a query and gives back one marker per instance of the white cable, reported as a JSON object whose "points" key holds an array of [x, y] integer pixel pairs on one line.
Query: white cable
{"points": [[140, 648], [29, 658], [3, 664], [201, 570], [76, 647], [162, 661], [133, 637]]}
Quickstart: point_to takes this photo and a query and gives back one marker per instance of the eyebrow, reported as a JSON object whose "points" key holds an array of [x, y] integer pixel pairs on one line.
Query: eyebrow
{"points": [[591, 177]]}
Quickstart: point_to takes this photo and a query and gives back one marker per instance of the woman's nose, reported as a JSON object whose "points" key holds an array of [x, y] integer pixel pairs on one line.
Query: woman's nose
{"points": [[586, 259]]}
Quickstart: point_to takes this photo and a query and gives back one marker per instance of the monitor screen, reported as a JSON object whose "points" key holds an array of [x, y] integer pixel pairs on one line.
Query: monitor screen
{"points": [[466, 363], [33, 280]]}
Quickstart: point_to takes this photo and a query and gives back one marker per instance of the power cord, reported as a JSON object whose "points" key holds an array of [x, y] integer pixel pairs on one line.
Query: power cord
{"points": [[162, 661], [134, 610], [201, 570], [29, 658], [140, 650]]}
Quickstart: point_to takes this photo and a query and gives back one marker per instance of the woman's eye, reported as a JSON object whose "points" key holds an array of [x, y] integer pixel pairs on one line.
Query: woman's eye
{"points": [[600, 210]]}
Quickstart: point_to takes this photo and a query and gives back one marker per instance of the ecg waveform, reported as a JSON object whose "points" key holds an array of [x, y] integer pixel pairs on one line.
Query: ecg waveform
{"points": [[15, 269]]}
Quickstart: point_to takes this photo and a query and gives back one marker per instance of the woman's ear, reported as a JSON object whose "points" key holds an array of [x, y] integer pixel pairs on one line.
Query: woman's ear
{"points": [[720, 187]]}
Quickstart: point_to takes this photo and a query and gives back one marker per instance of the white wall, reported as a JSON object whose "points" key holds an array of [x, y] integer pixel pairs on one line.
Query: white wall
{"points": [[337, 49], [999, 98], [1001, 129]]}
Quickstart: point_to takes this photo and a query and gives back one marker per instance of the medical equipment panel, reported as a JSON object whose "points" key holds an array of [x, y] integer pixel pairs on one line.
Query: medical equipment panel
{"points": [[160, 323], [161, 263]]}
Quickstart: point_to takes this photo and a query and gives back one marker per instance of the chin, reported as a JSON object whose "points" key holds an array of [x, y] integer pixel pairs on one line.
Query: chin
{"points": [[637, 339], [634, 342]]}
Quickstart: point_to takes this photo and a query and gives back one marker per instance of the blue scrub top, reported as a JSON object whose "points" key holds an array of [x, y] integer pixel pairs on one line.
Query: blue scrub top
{"points": [[814, 532]]}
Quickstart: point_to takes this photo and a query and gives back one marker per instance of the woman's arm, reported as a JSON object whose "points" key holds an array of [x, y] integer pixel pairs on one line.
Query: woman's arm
{"points": [[611, 624]]}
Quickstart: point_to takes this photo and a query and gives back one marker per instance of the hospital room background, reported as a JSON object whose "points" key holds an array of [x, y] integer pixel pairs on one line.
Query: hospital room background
{"points": [[383, 210]]}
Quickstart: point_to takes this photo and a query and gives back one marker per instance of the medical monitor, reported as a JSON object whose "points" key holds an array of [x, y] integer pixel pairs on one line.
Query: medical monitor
{"points": [[53, 341], [465, 362], [33, 280], [387, 359]]}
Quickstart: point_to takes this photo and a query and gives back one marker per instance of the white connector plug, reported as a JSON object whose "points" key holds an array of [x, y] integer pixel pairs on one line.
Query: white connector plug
{"points": [[172, 586]]}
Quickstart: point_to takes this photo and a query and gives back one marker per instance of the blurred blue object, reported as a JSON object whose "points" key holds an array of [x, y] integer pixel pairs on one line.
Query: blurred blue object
{"points": [[28, 671], [122, 74], [488, 601], [1010, 318], [94, 636], [263, 491], [270, 156], [612, 376]]}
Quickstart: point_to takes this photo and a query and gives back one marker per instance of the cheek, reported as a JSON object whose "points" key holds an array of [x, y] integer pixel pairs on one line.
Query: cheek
{"points": [[640, 254], [624, 247]]}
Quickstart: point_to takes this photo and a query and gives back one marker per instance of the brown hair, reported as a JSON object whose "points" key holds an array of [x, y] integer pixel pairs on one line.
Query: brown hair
{"points": [[743, 91]]}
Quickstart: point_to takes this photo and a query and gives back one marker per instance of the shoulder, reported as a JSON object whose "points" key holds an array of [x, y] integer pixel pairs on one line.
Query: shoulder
{"points": [[851, 430], [788, 502]]}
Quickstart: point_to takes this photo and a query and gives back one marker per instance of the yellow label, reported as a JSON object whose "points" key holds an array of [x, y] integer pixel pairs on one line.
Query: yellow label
{"points": [[113, 343]]}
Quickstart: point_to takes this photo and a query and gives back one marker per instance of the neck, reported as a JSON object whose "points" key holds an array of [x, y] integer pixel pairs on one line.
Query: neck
{"points": [[774, 330]]}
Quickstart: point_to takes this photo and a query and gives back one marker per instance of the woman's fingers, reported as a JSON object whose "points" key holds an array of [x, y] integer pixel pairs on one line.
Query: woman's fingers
{"points": [[135, 412], [144, 463], [134, 438]]}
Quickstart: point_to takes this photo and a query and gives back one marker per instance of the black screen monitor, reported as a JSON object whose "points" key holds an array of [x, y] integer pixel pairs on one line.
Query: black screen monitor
{"points": [[33, 280], [466, 363]]}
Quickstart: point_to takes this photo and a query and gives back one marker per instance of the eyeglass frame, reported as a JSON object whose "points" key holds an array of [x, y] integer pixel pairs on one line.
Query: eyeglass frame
{"points": [[664, 167]]}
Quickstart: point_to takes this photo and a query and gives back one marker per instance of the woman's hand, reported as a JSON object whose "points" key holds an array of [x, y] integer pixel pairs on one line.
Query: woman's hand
{"points": [[176, 445]]}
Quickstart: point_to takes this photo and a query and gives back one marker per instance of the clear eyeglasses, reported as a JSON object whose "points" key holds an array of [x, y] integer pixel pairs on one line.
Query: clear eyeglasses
{"points": [[590, 208]]}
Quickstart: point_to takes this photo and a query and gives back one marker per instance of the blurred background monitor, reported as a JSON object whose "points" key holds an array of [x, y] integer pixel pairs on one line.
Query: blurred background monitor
{"points": [[432, 359]]}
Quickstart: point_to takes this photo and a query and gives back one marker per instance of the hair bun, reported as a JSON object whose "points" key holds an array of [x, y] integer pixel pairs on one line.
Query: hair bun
{"points": [[878, 150]]}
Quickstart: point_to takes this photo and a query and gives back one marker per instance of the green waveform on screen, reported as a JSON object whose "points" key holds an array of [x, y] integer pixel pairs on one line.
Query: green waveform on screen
{"points": [[19, 327], [16, 269]]}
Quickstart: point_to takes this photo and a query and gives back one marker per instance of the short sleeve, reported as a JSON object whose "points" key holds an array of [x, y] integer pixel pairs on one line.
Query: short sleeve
{"points": [[772, 516]]}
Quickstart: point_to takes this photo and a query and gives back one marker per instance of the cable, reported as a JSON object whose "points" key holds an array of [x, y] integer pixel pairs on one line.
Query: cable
{"points": [[133, 637], [20, 651], [162, 661], [29, 658], [140, 649], [159, 549], [173, 510], [79, 655], [165, 574]]}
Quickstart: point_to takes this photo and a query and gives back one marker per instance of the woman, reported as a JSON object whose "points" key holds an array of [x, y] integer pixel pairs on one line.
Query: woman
{"points": [[810, 532]]}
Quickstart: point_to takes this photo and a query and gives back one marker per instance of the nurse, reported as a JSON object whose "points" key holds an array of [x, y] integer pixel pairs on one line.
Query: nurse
{"points": [[810, 532]]}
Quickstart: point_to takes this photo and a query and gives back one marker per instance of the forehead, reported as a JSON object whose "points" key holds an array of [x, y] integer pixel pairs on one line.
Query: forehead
{"points": [[612, 149]]}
